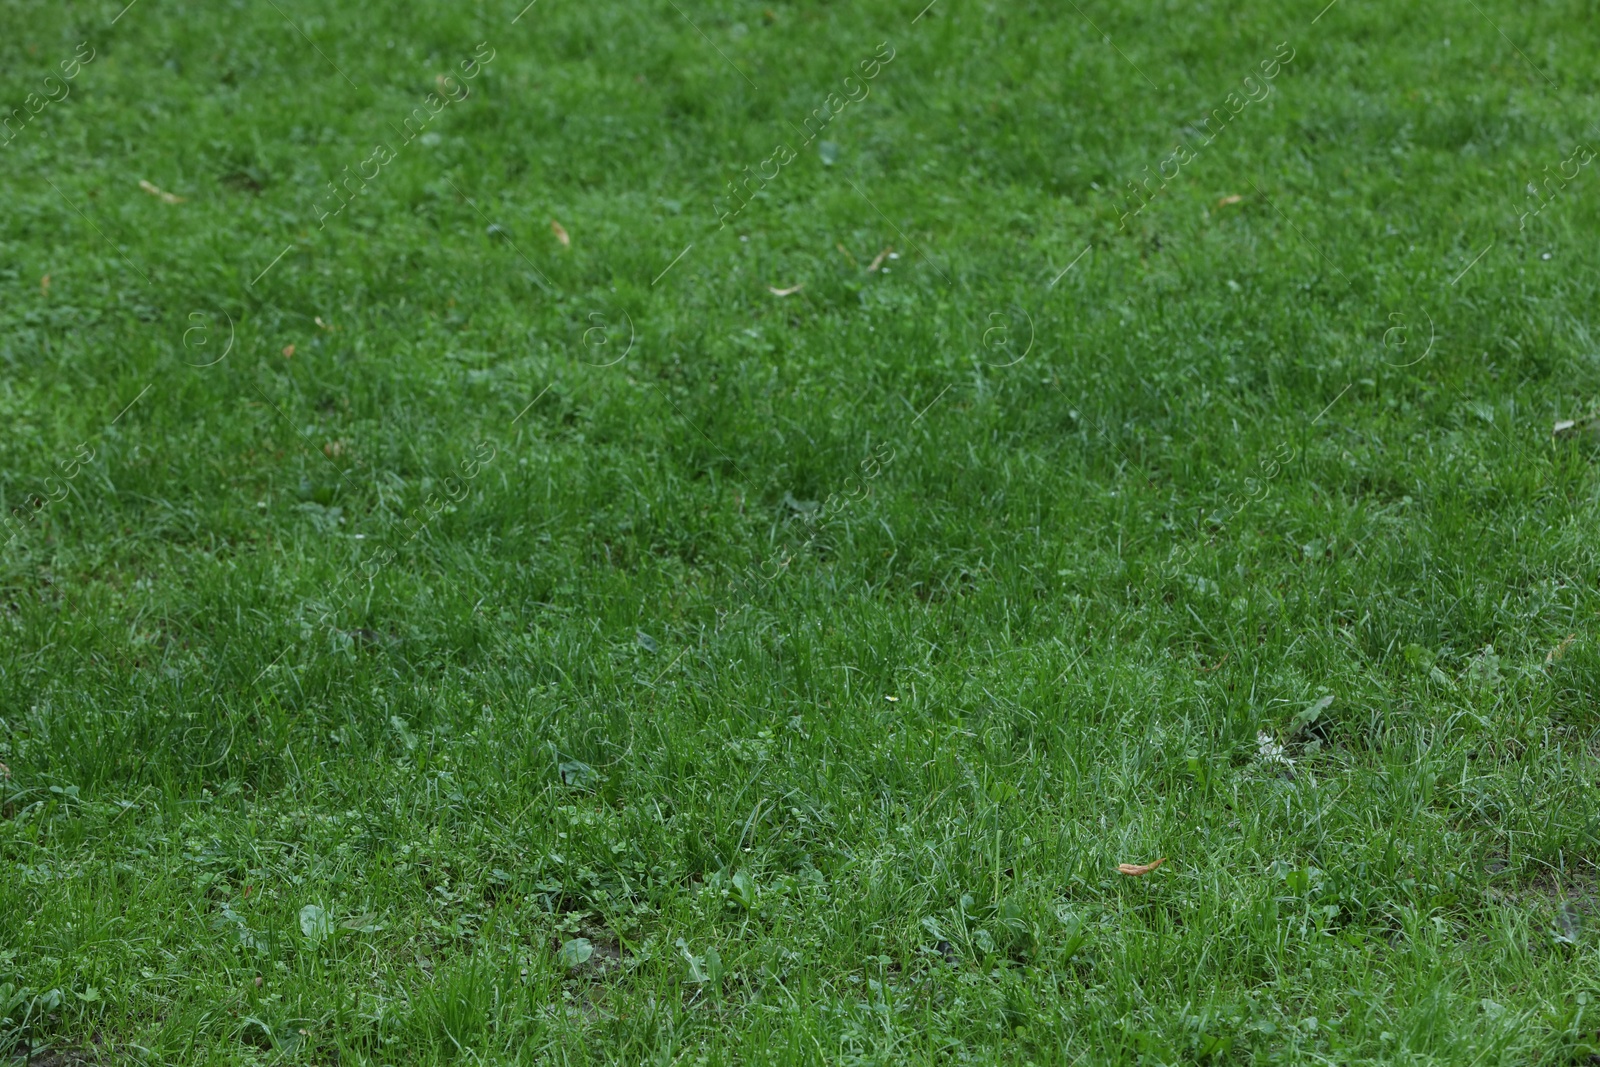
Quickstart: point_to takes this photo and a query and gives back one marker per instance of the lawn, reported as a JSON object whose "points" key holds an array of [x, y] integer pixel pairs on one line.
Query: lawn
{"points": [[705, 532]]}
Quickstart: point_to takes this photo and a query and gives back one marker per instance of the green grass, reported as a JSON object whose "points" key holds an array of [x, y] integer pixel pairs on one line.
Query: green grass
{"points": [[578, 654]]}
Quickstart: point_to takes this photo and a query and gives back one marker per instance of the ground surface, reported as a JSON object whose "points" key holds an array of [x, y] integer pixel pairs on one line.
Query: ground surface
{"points": [[426, 637]]}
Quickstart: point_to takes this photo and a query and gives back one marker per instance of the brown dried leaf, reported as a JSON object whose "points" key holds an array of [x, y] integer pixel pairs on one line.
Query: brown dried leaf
{"points": [[325, 325], [786, 292], [1234, 198], [846, 252], [288, 351], [561, 233], [1135, 870], [878, 260], [170, 198]]}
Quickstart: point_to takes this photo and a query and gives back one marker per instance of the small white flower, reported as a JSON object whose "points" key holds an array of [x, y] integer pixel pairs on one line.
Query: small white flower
{"points": [[1269, 751]]}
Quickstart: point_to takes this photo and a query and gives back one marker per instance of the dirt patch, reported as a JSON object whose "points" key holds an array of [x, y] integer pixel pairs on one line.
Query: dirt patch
{"points": [[1565, 904], [61, 1058]]}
